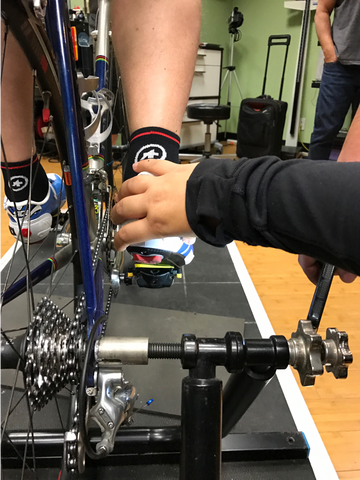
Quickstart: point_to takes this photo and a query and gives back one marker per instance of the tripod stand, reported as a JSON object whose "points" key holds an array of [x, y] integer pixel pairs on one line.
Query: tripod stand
{"points": [[230, 71]]}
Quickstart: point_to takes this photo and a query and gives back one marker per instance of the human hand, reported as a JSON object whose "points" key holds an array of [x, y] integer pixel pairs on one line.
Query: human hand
{"points": [[157, 203], [330, 57], [312, 269]]}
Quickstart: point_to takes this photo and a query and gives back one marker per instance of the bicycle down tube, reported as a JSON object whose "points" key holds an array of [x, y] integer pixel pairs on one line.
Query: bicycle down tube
{"points": [[77, 155]]}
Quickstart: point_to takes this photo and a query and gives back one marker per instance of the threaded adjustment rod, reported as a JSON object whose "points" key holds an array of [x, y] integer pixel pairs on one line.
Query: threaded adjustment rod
{"points": [[165, 350]]}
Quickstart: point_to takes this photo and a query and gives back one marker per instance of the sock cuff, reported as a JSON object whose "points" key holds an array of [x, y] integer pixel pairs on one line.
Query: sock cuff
{"points": [[151, 143], [142, 133], [16, 165]]}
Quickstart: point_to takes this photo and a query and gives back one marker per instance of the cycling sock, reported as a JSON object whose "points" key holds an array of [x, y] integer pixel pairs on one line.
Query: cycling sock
{"points": [[17, 180], [151, 142]]}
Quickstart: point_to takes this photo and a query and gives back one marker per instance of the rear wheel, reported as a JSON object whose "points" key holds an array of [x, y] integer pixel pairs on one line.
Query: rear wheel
{"points": [[44, 319]]}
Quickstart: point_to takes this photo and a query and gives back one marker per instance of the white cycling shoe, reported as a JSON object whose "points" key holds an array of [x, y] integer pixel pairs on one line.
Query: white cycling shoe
{"points": [[36, 223], [176, 251]]}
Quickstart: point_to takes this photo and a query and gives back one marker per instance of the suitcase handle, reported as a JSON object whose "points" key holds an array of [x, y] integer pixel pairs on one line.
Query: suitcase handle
{"points": [[286, 39]]}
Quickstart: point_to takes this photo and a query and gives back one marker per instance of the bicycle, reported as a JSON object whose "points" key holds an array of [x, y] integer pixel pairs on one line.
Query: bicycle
{"points": [[60, 348], [85, 231]]}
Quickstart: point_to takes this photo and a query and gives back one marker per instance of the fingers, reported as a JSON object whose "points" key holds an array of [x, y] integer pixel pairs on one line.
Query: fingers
{"points": [[134, 232], [311, 268], [128, 208], [156, 167], [134, 186], [346, 277]]}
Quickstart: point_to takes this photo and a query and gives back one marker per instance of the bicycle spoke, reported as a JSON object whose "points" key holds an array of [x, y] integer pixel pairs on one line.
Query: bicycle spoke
{"points": [[54, 244], [68, 390], [9, 271], [11, 344], [13, 409], [30, 429], [31, 307], [25, 452], [44, 143], [19, 274], [15, 330], [59, 413], [61, 276], [20, 232], [69, 303], [5, 421], [23, 459], [4, 424]]}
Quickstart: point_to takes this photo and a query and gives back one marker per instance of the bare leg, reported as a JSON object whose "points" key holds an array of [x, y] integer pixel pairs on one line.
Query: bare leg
{"points": [[16, 103], [156, 43], [23, 174]]}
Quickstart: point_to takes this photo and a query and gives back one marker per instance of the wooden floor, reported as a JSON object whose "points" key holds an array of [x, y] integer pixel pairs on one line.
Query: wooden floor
{"points": [[286, 294]]}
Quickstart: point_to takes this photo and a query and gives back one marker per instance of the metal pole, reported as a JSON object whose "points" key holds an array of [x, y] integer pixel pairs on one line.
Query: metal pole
{"points": [[228, 75], [201, 411], [231, 64], [240, 392]]}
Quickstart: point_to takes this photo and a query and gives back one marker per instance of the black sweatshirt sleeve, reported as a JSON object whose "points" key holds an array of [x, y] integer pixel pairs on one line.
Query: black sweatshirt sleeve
{"points": [[300, 206]]}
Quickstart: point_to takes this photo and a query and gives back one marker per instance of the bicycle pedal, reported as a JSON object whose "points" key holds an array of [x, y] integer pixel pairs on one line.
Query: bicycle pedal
{"points": [[153, 276], [169, 259]]}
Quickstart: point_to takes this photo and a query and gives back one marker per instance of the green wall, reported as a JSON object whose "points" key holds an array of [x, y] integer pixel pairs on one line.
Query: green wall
{"points": [[214, 27], [261, 19]]}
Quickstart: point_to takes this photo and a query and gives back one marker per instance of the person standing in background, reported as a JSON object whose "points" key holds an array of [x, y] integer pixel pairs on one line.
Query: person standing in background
{"points": [[340, 82]]}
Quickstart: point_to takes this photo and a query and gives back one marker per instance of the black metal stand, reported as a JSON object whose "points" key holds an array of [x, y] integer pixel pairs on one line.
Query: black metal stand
{"points": [[240, 392], [201, 418], [201, 414], [197, 445], [155, 445]]}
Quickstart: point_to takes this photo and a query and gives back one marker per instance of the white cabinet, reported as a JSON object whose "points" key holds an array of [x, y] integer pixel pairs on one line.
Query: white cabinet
{"points": [[205, 89], [300, 5]]}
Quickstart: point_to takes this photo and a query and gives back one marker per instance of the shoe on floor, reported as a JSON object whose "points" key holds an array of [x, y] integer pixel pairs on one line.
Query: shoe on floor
{"points": [[171, 250], [41, 213]]}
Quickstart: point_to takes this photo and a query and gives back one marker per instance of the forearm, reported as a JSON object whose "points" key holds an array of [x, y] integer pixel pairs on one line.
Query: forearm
{"points": [[323, 30], [290, 205]]}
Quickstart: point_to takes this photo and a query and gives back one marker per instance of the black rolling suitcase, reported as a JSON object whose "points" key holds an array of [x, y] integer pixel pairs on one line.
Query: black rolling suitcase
{"points": [[262, 119]]}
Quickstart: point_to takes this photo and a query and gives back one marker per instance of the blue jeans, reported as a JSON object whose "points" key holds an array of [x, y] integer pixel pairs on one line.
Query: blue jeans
{"points": [[339, 89]]}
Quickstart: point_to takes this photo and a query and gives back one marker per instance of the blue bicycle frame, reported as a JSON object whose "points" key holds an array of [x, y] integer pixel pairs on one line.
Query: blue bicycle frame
{"points": [[57, 24]]}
